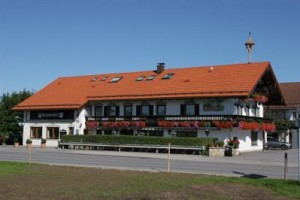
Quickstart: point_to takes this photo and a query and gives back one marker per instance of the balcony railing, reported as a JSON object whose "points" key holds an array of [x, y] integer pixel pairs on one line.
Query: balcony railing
{"points": [[153, 120]]}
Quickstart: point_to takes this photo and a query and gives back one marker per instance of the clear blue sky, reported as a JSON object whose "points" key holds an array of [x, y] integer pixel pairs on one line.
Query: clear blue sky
{"points": [[41, 40]]}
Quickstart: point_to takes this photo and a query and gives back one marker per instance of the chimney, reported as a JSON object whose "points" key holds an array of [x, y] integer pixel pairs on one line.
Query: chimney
{"points": [[160, 68]]}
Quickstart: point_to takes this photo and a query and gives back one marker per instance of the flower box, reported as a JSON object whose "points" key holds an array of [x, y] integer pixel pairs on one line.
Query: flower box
{"points": [[216, 151]]}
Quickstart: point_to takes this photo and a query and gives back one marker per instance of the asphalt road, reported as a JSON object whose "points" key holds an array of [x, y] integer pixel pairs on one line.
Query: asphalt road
{"points": [[254, 165]]}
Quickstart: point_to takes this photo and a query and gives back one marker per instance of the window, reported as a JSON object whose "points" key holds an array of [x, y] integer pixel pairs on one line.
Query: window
{"points": [[247, 109], [151, 77], [111, 110], [98, 111], [256, 111], [127, 110], [94, 79], [71, 130], [103, 78], [161, 110], [253, 138], [144, 110], [294, 117], [168, 76], [88, 110], [140, 78], [238, 108], [189, 109], [35, 132], [52, 132], [116, 79]]}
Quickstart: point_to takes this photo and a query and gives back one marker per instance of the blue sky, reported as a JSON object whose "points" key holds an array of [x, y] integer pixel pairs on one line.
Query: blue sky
{"points": [[41, 40]]}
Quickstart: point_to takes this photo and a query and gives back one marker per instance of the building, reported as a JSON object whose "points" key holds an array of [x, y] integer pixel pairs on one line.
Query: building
{"points": [[220, 101], [291, 93]]}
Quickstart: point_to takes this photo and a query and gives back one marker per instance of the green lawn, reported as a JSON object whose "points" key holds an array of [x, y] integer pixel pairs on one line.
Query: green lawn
{"points": [[35, 181]]}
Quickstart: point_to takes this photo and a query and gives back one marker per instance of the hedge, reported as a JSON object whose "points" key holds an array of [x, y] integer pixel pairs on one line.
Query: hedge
{"points": [[138, 140]]}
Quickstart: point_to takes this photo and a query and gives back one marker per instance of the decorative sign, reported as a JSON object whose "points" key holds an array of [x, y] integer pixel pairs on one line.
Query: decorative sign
{"points": [[46, 114]]}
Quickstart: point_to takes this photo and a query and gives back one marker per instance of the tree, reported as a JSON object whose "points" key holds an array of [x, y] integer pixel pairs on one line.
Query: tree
{"points": [[9, 119], [282, 125]]}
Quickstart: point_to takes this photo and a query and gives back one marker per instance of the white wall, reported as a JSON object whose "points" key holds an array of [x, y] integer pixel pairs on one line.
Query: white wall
{"points": [[173, 107]]}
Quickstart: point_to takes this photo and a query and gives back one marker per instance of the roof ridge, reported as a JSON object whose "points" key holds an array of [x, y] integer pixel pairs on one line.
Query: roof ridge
{"points": [[166, 69]]}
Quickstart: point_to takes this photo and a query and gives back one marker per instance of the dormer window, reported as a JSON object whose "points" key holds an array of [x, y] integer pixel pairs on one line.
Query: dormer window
{"points": [[116, 79], [94, 79], [150, 78], [103, 78], [140, 78], [168, 76]]}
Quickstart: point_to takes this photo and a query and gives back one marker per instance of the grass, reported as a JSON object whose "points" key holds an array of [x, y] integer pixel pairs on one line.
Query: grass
{"points": [[36, 181]]}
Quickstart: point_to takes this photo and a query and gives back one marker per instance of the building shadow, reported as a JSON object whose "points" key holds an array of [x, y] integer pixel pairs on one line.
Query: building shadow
{"points": [[250, 176]]}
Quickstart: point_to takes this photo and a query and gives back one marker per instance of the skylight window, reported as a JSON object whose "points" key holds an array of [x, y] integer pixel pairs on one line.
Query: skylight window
{"points": [[168, 76], [151, 77], [103, 78], [94, 79], [140, 78], [116, 79]]}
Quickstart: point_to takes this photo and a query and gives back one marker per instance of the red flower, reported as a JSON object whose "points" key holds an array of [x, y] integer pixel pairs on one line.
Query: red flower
{"points": [[260, 98], [268, 127]]}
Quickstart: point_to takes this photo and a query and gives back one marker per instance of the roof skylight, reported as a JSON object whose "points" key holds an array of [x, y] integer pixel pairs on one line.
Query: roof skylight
{"points": [[168, 76], [103, 78], [151, 77], [94, 79], [140, 78], [116, 79]]}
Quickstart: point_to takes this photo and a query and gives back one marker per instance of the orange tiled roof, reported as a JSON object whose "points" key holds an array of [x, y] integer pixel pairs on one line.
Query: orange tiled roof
{"points": [[291, 92], [236, 80]]}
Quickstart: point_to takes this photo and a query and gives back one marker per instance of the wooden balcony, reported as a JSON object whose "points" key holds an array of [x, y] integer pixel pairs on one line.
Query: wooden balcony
{"points": [[154, 121]]}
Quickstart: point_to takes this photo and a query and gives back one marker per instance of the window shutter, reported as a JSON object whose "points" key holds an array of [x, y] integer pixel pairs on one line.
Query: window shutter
{"points": [[106, 111], [117, 110], [182, 109], [151, 110], [138, 110], [196, 109]]}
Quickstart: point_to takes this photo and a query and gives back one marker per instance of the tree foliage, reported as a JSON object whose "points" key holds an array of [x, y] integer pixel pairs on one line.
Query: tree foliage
{"points": [[9, 119], [282, 125]]}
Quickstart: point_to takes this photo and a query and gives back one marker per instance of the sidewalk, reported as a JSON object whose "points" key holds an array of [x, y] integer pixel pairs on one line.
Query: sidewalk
{"points": [[271, 157]]}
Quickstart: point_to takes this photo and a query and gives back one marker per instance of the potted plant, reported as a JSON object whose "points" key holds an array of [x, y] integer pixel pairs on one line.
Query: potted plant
{"points": [[234, 145], [29, 143], [216, 149], [16, 142], [43, 143]]}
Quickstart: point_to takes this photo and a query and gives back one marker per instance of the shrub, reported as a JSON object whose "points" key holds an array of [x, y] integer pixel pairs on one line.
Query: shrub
{"points": [[16, 140], [43, 141], [220, 143], [28, 141], [139, 140]]}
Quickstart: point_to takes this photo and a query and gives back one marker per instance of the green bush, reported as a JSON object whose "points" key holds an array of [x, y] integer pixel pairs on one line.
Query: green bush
{"points": [[139, 140], [16, 140]]}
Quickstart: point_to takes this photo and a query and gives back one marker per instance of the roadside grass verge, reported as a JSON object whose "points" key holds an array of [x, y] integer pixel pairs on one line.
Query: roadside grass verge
{"points": [[37, 181]]}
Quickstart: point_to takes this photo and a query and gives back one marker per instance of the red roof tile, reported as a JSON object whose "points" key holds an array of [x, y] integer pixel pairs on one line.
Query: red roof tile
{"points": [[236, 80], [291, 93]]}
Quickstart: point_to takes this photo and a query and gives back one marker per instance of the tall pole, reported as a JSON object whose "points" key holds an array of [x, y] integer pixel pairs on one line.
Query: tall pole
{"points": [[298, 125], [249, 46], [298, 148]]}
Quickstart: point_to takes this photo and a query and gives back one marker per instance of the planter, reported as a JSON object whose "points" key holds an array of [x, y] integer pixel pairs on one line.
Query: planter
{"points": [[43, 146], [29, 145], [16, 144], [216, 151], [235, 152]]}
